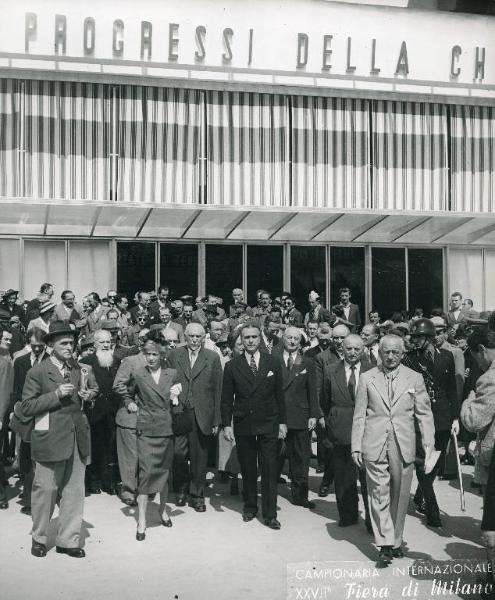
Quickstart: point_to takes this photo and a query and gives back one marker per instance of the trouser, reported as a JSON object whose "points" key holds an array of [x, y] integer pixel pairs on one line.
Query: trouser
{"points": [[26, 470], [64, 479], [102, 467], [425, 482], [3, 481], [297, 448], [7, 440], [191, 478], [250, 450], [346, 492], [325, 456], [389, 484], [127, 457]]}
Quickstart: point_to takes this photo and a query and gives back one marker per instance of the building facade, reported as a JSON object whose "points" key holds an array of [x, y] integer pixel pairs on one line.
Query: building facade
{"points": [[288, 146]]}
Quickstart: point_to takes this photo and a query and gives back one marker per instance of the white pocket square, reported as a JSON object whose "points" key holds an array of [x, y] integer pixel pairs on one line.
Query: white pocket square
{"points": [[270, 374], [303, 372]]}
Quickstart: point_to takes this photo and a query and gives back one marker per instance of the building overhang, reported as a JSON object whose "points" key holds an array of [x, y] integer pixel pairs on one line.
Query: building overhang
{"points": [[51, 218]]}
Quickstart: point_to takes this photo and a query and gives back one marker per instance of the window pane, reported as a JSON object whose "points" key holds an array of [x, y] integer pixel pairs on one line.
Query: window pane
{"points": [[264, 270], [389, 281], [89, 268], [179, 268], [425, 279], [44, 262], [307, 272], [466, 274], [9, 264], [347, 270], [223, 270], [135, 268]]}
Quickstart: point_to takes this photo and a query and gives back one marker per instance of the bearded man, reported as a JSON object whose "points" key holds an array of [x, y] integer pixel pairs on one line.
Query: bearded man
{"points": [[102, 473]]}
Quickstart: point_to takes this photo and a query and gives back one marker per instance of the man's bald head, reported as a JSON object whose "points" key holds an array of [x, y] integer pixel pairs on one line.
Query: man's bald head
{"points": [[339, 333], [391, 350], [352, 347]]}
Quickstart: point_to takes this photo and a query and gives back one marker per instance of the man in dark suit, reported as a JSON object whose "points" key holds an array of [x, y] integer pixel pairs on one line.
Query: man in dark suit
{"points": [[101, 473], [200, 374], [351, 311], [301, 407], [142, 308], [269, 340], [60, 441], [323, 360], [324, 336], [252, 395], [22, 364], [340, 381], [438, 370], [291, 315], [317, 312]]}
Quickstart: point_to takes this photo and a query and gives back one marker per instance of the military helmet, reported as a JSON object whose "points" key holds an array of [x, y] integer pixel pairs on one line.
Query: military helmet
{"points": [[424, 327]]}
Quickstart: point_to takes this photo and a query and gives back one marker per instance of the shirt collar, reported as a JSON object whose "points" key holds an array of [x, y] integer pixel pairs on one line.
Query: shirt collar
{"points": [[256, 356], [60, 365]]}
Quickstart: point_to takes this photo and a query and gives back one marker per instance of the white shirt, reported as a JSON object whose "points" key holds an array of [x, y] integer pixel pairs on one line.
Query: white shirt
{"points": [[348, 371], [256, 358], [287, 354], [374, 350], [456, 313], [347, 310], [268, 343], [60, 365], [34, 358], [156, 375]]}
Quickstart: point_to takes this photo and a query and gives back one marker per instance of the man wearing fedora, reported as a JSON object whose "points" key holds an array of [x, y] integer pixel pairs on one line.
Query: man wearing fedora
{"points": [[54, 394]]}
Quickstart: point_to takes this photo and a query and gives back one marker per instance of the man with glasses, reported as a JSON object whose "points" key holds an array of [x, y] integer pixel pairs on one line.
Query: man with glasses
{"points": [[291, 315], [269, 339]]}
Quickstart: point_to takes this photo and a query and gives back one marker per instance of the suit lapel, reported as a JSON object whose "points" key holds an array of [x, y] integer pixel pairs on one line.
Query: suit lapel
{"points": [[245, 369], [289, 376], [401, 385], [381, 388], [200, 363], [341, 380], [263, 370], [184, 362], [53, 373]]}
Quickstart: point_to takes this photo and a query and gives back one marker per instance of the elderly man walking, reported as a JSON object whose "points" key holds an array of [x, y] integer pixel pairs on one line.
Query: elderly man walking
{"points": [[390, 400]]}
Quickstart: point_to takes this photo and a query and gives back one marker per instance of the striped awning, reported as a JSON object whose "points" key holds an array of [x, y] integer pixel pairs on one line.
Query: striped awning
{"points": [[285, 224]]}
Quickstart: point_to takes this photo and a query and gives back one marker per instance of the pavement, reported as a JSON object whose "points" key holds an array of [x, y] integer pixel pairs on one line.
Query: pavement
{"points": [[215, 555]]}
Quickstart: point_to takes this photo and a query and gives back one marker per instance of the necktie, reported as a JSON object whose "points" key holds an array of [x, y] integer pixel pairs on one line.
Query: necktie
{"points": [[252, 364], [372, 357], [193, 359], [352, 383], [290, 362], [390, 388], [66, 373]]}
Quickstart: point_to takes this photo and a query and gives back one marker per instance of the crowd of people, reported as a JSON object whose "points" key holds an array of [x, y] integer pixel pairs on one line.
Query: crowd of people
{"points": [[99, 398]]}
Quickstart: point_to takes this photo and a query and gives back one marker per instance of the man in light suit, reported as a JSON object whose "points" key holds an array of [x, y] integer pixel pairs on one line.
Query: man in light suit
{"points": [[456, 315], [301, 406], [165, 314], [252, 396], [340, 380], [370, 334], [200, 374], [391, 399], [53, 394]]}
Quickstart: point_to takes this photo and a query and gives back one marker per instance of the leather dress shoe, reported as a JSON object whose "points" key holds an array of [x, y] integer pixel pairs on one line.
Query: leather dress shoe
{"points": [[38, 550], [385, 556], [320, 469], [323, 491], [166, 522], [198, 506], [398, 552], [181, 500], [26, 510], [420, 507], [109, 489], [95, 489], [246, 517], [140, 536], [272, 523], [4, 505], [72, 552], [433, 520], [305, 503]]}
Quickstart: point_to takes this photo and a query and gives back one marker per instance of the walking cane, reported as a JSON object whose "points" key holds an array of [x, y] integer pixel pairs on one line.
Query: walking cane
{"points": [[459, 471]]}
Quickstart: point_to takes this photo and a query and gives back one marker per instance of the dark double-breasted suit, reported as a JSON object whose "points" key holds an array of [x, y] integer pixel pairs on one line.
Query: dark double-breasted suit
{"points": [[301, 404], [339, 412], [60, 445], [255, 404], [201, 395]]}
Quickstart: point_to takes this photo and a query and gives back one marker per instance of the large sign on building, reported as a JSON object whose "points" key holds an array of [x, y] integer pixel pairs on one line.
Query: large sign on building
{"points": [[295, 42]]}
